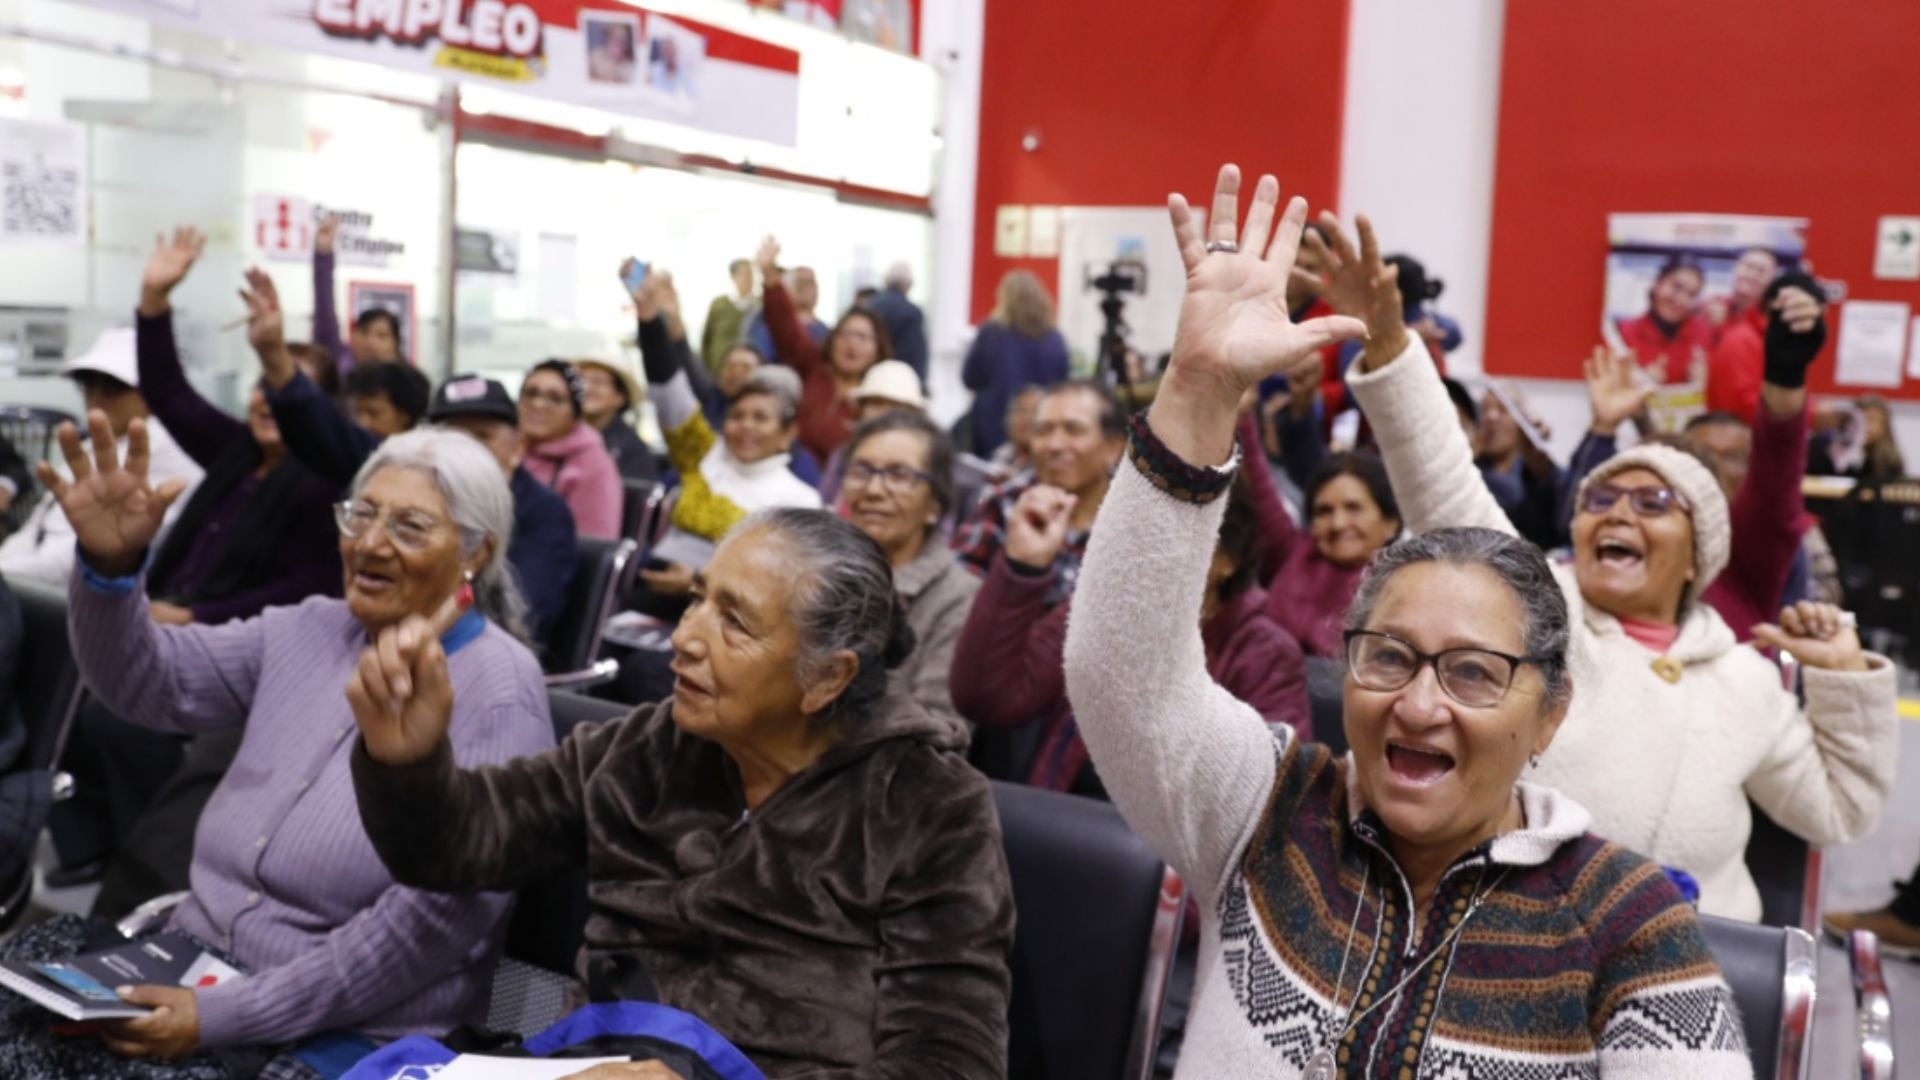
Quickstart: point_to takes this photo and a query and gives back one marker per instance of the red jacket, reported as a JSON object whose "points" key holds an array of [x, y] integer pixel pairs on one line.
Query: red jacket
{"points": [[1650, 344], [1009, 667], [826, 419], [1737, 364]]}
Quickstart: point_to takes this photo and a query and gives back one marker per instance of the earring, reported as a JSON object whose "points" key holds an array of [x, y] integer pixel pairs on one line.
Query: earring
{"points": [[464, 596], [1533, 760]]}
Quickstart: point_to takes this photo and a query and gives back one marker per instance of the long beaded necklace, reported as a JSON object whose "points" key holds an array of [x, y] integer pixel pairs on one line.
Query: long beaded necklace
{"points": [[1321, 1066]]}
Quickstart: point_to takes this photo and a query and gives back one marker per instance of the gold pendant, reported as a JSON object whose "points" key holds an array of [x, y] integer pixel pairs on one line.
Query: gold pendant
{"points": [[1668, 668]]}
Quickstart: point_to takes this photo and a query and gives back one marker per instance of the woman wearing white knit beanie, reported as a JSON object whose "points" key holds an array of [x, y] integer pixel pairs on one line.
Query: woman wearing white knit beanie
{"points": [[1674, 725]]}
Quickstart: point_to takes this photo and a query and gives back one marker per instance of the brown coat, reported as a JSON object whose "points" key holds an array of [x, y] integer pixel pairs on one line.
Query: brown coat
{"points": [[856, 926]]}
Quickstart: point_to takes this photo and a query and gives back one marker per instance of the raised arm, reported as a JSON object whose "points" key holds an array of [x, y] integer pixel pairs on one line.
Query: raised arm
{"points": [[175, 678], [1398, 387], [1768, 508], [1188, 765], [1276, 525], [316, 432], [326, 318], [790, 340], [448, 829], [201, 429]]}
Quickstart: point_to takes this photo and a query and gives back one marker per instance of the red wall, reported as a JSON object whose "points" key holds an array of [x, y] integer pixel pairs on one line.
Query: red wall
{"points": [[1731, 106], [1137, 99]]}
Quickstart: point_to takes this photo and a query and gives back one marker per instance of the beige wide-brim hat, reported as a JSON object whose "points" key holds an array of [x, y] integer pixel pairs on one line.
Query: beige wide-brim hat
{"points": [[622, 371], [895, 381]]}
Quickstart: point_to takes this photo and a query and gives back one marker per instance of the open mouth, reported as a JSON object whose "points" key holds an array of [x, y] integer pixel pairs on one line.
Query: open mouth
{"points": [[1417, 764], [369, 581], [1618, 554]]}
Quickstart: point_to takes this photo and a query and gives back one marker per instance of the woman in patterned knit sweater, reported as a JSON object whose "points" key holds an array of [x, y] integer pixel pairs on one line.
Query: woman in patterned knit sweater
{"points": [[1411, 910]]}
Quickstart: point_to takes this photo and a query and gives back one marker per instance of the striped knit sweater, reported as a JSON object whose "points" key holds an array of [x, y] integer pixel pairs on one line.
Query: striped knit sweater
{"points": [[1582, 960]]}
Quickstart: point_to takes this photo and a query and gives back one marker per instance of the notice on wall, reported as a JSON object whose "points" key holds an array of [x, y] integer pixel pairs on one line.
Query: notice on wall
{"points": [[1873, 343], [1010, 232], [1043, 232], [1896, 254], [43, 182], [1913, 350], [284, 228]]}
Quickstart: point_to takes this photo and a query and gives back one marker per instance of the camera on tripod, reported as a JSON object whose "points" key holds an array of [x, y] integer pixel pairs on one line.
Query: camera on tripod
{"points": [[1127, 274]]}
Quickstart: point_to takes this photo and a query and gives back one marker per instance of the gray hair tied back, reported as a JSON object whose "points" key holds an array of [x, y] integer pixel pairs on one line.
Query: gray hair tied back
{"points": [[1545, 629], [478, 500], [844, 601]]}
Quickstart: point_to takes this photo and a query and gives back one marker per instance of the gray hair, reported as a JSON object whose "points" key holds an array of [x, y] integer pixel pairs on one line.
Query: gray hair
{"points": [[844, 600], [899, 276], [1545, 629], [778, 382], [479, 501]]}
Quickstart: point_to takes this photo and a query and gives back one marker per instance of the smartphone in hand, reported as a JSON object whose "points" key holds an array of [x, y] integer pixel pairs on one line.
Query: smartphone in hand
{"points": [[636, 275]]}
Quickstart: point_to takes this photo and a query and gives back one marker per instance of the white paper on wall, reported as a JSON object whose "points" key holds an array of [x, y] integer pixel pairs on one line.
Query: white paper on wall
{"points": [[1873, 342], [43, 182]]}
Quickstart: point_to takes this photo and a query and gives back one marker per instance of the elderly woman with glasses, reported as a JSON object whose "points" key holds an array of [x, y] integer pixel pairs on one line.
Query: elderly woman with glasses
{"points": [[1411, 909], [1678, 725], [334, 955], [897, 486]]}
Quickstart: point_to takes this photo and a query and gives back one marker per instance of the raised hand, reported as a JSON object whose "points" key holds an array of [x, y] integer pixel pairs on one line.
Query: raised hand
{"points": [[400, 694], [1616, 390], [767, 259], [1037, 529], [1818, 635], [1358, 282], [644, 304], [114, 511], [266, 323], [1234, 325], [327, 234], [168, 266]]}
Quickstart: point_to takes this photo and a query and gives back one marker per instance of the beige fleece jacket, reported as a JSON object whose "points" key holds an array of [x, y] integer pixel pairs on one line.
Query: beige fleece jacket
{"points": [[1665, 768]]}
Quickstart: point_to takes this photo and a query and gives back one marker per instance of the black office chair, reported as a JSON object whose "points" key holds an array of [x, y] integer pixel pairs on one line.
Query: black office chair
{"points": [[1772, 972], [601, 573], [1099, 918], [46, 696], [1326, 684], [30, 429], [635, 499]]}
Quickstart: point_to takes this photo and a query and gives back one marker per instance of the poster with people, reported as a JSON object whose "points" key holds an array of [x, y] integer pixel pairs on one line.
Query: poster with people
{"points": [[1677, 282], [886, 23]]}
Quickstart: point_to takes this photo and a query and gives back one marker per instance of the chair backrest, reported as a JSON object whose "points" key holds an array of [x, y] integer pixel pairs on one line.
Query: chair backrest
{"points": [[570, 710], [1326, 685], [1772, 972], [1099, 916], [600, 571], [46, 688], [634, 496]]}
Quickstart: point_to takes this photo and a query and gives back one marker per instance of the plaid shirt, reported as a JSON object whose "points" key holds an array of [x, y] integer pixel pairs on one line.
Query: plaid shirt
{"points": [[981, 537]]}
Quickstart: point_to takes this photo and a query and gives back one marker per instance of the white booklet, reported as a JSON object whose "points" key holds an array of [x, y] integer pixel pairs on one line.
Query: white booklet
{"points": [[481, 1067]]}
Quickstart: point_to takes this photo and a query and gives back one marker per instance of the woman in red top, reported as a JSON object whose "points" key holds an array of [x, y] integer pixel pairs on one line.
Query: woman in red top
{"points": [[831, 371], [1672, 330]]}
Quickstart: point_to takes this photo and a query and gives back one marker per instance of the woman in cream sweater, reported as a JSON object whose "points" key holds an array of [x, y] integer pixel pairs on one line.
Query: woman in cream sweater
{"points": [[1676, 725]]}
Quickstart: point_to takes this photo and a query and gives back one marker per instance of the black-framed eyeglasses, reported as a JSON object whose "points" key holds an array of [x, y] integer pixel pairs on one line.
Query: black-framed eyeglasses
{"points": [[1647, 502], [898, 479], [1476, 678], [409, 529]]}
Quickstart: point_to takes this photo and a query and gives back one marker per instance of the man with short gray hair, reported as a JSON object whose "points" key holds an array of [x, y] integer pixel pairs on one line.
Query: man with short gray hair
{"points": [[906, 324]]}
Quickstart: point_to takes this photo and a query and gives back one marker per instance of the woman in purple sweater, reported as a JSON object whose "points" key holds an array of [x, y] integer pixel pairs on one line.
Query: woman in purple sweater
{"points": [[335, 956]]}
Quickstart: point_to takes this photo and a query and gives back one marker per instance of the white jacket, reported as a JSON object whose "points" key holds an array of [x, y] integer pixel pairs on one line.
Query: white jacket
{"points": [[1665, 768], [43, 547]]}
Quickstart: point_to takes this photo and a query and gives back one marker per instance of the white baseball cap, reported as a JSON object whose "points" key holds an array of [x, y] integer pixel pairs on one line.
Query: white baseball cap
{"points": [[113, 353], [892, 380]]}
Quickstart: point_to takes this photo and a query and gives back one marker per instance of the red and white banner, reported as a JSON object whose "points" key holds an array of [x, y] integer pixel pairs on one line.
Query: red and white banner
{"points": [[603, 53]]}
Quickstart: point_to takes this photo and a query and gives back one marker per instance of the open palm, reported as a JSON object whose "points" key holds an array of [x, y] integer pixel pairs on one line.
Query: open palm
{"points": [[172, 258], [114, 511], [266, 323], [1234, 324]]}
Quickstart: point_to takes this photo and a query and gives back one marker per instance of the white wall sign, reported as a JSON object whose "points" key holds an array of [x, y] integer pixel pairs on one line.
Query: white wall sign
{"points": [[1043, 232], [43, 182], [1896, 256], [284, 225], [1873, 342], [1010, 232]]}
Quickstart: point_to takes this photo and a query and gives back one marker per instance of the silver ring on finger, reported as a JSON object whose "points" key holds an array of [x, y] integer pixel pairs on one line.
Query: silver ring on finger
{"points": [[1227, 246]]}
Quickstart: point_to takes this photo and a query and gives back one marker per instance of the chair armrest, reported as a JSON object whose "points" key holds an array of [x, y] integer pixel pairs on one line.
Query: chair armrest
{"points": [[1799, 997], [604, 670], [143, 917], [1163, 942], [1875, 1007]]}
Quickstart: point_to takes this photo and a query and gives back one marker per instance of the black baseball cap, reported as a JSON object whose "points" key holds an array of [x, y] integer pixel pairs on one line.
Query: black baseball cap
{"points": [[473, 395]]}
